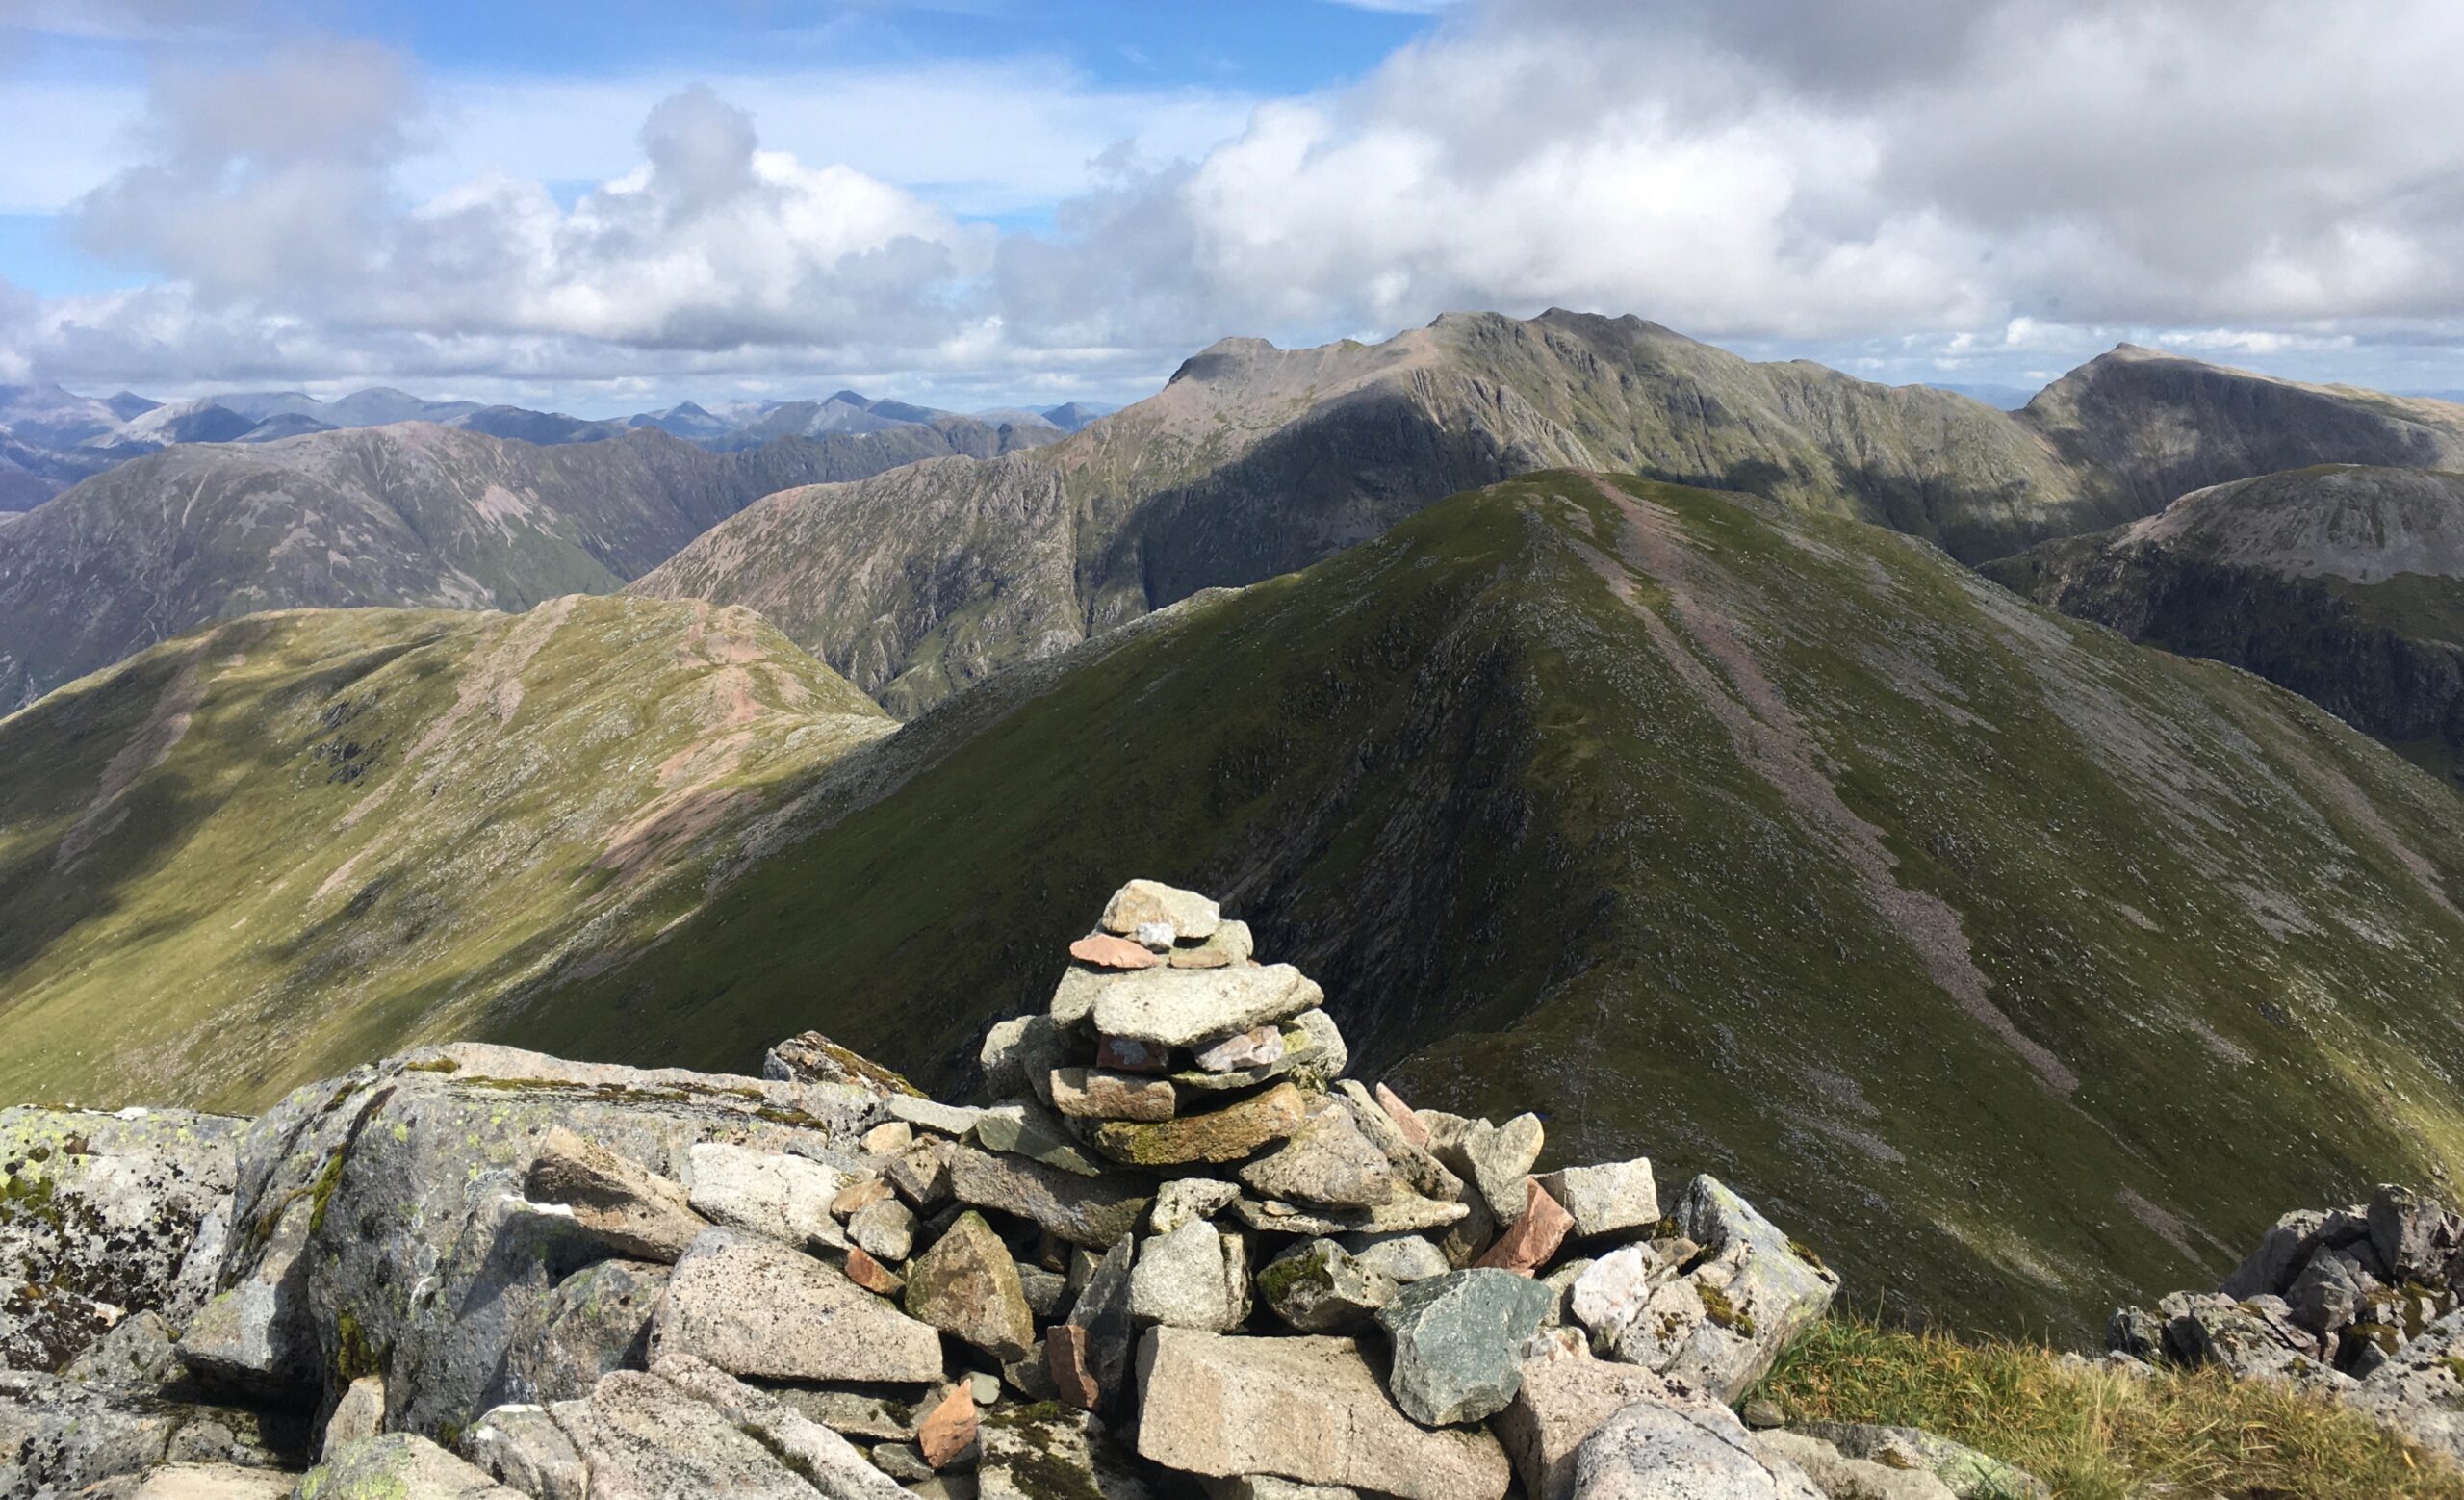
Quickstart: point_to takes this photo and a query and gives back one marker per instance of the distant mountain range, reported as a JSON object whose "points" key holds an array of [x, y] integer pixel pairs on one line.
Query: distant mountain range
{"points": [[50, 437]]}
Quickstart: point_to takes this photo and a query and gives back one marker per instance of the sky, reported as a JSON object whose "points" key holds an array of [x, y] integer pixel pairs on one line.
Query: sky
{"points": [[606, 206]]}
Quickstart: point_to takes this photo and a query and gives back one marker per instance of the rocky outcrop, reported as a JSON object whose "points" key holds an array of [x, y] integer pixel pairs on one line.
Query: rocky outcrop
{"points": [[470, 1271]]}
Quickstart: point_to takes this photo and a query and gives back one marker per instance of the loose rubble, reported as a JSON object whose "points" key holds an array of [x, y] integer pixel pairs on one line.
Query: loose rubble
{"points": [[1177, 1253]]}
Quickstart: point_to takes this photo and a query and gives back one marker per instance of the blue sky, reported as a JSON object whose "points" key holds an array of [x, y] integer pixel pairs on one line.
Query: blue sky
{"points": [[600, 206]]}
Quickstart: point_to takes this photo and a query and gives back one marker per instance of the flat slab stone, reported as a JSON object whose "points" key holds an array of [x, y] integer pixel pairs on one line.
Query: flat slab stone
{"points": [[755, 1307], [787, 1197], [1031, 1131], [1609, 1199], [1559, 1402], [1701, 1451], [950, 1120], [1106, 951], [629, 1207], [1404, 1214], [1088, 1211], [1305, 1408], [1184, 1007], [1187, 912], [1231, 1133], [399, 1466], [1091, 1093], [638, 1434]]}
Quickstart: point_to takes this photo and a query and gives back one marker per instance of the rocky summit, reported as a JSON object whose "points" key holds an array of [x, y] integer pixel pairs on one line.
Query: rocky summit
{"points": [[1221, 1270]]}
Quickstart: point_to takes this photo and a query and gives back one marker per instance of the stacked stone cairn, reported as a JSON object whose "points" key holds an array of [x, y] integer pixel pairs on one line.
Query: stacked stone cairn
{"points": [[1182, 1255], [2361, 1303]]}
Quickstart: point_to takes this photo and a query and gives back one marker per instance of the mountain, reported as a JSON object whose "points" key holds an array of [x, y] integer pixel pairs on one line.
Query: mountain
{"points": [[382, 406], [844, 412], [1069, 418], [45, 416], [1254, 460], [181, 422], [2345, 584], [2001, 398], [290, 423], [260, 405], [684, 419], [2024, 971], [1017, 416], [334, 816], [534, 427]]}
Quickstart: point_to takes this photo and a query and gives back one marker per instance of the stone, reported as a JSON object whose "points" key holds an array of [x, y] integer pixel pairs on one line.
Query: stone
{"points": [[1184, 1007], [1196, 1276], [1969, 1474], [1229, 948], [901, 1461], [627, 1207], [1020, 1054], [1424, 1173], [1533, 1237], [871, 1274], [1328, 1162], [359, 1414], [1655, 1451], [1260, 1047], [1470, 1236], [1089, 1211], [1106, 951], [1612, 1198], [953, 1120], [948, 1432], [596, 1319], [825, 1458], [756, 1308], [1188, 914], [1758, 1290], [139, 1356], [854, 1414], [1318, 1287], [1230, 1133], [1298, 1061], [637, 1434], [1156, 937], [1304, 1407], [1029, 1130], [520, 1447], [2327, 1294], [1090, 1093], [884, 1230], [105, 1211], [1405, 1120], [1186, 1199], [58, 1436], [967, 1287], [922, 1175], [199, 1481], [1110, 1334], [398, 1466], [1066, 1360], [2283, 1251], [1127, 1054], [1073, 1000], [810, 1057], [1265, 1486], [890, 1138], [1035, 1453], [945, 1487], [1458, 1340], [787, 1197], [1557, 1404], [2254, 1339], [2415, 1237], [862, 1193], [1409, 1212], [1495, 1159], [1404, 1258], [1762, 1415], [1841, 1477]]}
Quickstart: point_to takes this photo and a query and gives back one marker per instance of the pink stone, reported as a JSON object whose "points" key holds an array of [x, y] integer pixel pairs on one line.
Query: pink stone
{"points": [[1106, 951], [871, 1274], [1064, 1355], [1531, 1240], [948, 1431], [1122, 1054], [1405, 1120]]}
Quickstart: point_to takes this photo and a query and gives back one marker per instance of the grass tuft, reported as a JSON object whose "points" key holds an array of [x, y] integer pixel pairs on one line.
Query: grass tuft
{"points": [[2098, 1433]]}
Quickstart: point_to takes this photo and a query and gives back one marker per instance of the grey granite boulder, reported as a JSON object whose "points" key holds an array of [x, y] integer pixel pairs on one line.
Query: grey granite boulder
{"points": [[1329, 1161], [1197, 1277], [774, 1193], [1969, 1474], [1318, 1288], [1041, 1453], [754, 1307], [634, 1210], [638, 1434], [1459, 1343], [398, 1466], [1192, 916], [1088, 1211], [1183, 1008], [1612, 1198], [1656, 1450], [521, 1446], [594, 1321]]}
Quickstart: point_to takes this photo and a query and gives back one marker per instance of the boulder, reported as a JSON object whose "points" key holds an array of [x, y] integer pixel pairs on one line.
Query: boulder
{"points": [[1611, 1293], [754, 1307], [139, 1356], [1265, 1486], [199, 1482], [1019, 1054], [1328, 1161], [596, 1320], [360, 1413], [1229, 948], [1656, 1450], [947, 1433], [256, 1337], [1187, 1007], [1231, 1132], [827, 1460], [1041, 1452], [1495, 1159], [1532, 1239], [638, 1434], [811, 1058], [787, 1197], [1404, 1258], [1613, 1197], [398, 1466], [1090, 1093], [2253, 1339], [1968, 1474], [1424, 1173], [1097, 1357], [1030, 1130], [1192, 916], [631, 1209], [1305, 1408], [1557, 1404], [98, 1215], [1196, 1276], [521, 1447], [2415, 1237], [1758, 1290], [1089, 1211], [953, 1120], [921, 1173], [884, 1229], [57, 1437], [1843, 1478], [1459, 1343], [967, 1287], [1184, 1198], [2283, 1251], [2419, 1389], [1318, 1288]]}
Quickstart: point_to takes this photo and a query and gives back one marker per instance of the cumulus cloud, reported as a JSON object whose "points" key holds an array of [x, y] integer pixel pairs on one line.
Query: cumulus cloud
{"points": [[1904, 185]]}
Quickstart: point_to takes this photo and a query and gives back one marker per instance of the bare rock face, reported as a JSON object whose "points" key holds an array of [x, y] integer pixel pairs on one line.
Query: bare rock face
{"points": [[636, 1212], [1652, 1450], [99, 1215]]}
